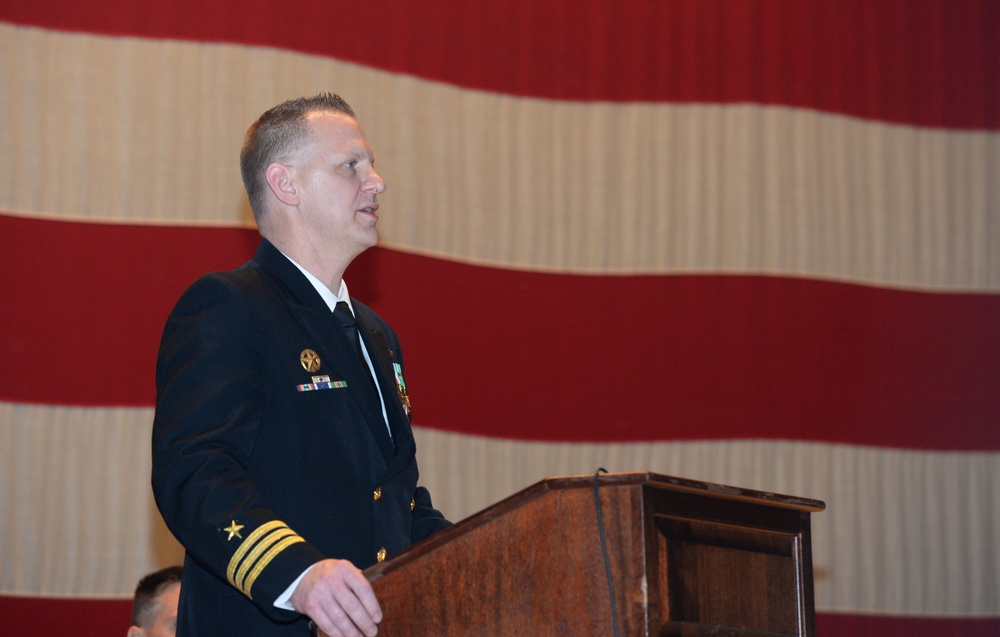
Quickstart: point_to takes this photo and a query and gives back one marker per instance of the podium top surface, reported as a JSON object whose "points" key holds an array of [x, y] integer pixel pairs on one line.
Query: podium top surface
{"points": [[677, 484]]}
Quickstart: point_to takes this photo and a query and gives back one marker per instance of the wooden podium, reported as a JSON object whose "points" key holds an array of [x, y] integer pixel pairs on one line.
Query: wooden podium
{"points": [[686, 559]]}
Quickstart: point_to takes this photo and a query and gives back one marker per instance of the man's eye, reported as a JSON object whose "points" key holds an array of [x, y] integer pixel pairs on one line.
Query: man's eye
{"points": [[352, 164]]}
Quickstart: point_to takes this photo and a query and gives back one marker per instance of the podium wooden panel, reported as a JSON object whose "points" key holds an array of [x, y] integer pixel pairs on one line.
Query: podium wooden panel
{"points": [[686, 558]]}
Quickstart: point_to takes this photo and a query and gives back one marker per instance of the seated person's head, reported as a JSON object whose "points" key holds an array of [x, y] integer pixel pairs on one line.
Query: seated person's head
{"points": [[154, 609]]}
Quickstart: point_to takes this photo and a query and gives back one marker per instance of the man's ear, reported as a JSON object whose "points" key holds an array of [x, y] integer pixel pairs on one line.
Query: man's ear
{"points": [[135, 631], [279, 178]]}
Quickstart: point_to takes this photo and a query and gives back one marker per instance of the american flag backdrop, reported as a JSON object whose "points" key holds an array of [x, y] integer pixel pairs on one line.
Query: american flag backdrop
{"points": [[753, 242]]}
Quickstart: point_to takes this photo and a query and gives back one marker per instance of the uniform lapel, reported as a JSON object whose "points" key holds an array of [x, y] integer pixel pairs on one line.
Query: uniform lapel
{"points": [[383, 358], [337, 352]]}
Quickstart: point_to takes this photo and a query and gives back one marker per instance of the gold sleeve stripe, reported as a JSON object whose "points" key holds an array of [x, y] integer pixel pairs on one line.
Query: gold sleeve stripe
{"points": [[264, 561], [248, 544], [264, 545]]}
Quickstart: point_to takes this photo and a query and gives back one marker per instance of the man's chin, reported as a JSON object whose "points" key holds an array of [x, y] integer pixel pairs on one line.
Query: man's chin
{"points": [[368, 239]]}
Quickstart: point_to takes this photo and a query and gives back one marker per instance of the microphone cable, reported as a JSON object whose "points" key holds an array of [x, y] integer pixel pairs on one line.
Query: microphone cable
{"points": [[604, 549]]}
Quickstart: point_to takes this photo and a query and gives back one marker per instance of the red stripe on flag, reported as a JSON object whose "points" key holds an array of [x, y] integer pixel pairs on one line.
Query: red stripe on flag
{"points": [[844, 625], [596, 358], [84, 304], [33, 616], [537, 356], [924, 62]]}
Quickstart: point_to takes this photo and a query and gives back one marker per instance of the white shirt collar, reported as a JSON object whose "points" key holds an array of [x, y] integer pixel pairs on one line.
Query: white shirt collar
{"points": [[328, 295]]}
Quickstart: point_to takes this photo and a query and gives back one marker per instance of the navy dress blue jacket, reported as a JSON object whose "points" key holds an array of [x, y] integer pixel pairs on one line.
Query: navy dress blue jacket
{"points": [[269, 447]]}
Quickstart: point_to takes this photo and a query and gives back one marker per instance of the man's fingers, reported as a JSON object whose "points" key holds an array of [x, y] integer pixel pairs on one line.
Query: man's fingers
{"points": [[364, 593], [336, 623], [354, 605], [338, 598]]}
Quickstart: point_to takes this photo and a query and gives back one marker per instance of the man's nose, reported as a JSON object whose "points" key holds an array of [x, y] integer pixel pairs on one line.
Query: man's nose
{"points": [[375, 183]]}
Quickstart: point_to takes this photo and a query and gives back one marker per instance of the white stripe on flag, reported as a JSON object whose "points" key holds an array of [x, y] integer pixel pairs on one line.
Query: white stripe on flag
{"points": [[524, 183], [904, 532]]}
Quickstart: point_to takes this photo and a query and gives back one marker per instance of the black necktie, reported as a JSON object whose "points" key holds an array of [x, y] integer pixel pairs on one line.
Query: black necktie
{"points": [[343, 315]]}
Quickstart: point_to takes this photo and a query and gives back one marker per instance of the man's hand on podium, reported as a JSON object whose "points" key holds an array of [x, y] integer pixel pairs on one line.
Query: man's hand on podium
{"points": [[338, 598]]}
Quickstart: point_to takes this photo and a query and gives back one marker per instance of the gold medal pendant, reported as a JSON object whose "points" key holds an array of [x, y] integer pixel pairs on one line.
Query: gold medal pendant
{"points": [[404, 396], [405, 399]]}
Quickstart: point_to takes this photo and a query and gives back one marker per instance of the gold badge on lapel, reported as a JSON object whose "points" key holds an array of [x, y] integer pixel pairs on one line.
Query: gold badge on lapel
{"points": [[310, 360]]}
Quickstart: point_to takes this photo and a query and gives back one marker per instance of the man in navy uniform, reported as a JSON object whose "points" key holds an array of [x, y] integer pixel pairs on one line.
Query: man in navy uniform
{"points": [[283, 458]]}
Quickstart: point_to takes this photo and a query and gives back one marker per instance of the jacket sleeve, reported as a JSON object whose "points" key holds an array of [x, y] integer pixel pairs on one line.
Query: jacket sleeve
{"points": [[426, 519], [211, 398]]}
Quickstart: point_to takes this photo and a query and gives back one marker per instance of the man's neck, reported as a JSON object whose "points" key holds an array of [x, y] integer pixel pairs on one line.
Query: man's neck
{"points": [[325, 266]]}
